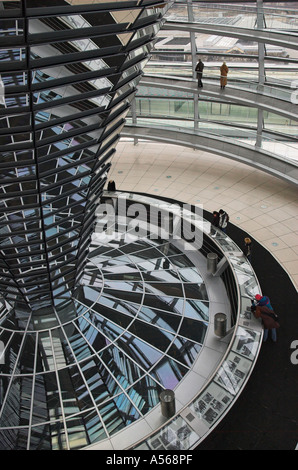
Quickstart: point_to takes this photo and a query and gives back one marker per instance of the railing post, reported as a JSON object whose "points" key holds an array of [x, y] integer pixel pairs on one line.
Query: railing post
{"points": [[220, 324], [168, 405], [212, 263]]}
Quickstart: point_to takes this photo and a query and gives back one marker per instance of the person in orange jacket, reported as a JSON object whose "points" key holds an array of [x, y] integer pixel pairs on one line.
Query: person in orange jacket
{"points": [[269, 321], [223, 75]]}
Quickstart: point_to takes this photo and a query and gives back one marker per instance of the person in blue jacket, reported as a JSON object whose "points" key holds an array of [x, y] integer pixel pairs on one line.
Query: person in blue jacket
{"points": [[263, 301]]}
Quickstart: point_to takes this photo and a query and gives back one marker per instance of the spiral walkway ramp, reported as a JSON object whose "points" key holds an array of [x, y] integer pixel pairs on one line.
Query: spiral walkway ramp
{"points": [[125, 319], [142, 321]]}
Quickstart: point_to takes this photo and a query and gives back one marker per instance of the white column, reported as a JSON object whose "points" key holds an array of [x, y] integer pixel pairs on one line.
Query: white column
{"points": [[194, 63]]}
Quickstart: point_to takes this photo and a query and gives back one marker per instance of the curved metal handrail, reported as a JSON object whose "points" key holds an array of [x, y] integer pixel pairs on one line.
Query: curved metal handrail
{"points": [[241, 91], [285, 39], [246, 330], [234, 149]]}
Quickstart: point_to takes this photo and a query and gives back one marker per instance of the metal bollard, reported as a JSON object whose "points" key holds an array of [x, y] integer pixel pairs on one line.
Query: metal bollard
{"points": [[168, 405], [2, 353], [220, 324], [212, 259]]}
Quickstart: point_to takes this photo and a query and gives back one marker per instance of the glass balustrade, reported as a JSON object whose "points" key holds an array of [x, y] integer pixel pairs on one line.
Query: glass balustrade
{"points": [[278, 149], [282, 17], [256, 69]]}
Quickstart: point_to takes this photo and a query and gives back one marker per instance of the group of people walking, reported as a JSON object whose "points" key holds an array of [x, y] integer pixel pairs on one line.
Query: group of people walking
{"points": [[220, 220], [261, 305], [223, 74], [262, 308]]}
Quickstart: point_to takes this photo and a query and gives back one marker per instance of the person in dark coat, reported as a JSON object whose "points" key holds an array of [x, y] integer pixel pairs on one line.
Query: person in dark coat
{"points": [[223, 220], [215, 219], [247, 248], [269, 321], [111, 185], [199, 69], [214, 223]]}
